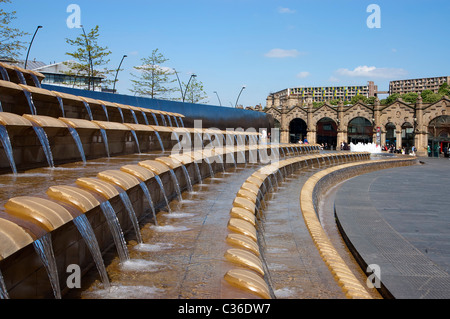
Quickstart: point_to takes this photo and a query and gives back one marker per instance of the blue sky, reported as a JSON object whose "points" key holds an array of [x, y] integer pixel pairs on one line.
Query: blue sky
{"points": [[267, 45]]}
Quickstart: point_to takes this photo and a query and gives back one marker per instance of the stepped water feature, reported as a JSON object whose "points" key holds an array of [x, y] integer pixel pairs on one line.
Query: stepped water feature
{"points": [[6, 142], [43, 247], [128, 194]]}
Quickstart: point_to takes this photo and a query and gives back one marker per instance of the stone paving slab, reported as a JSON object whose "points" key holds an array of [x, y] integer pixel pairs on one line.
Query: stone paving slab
{"points": [[399, 219]]}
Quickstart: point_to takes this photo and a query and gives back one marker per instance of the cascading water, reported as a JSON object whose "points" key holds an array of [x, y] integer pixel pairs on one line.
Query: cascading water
{"points": [[155, 119], [105, 141], [198, 173], [3, 291], [116, 231], [77, 140], [149, 199], [21, 77], [29, 98], [43, 138], [181, 121], [134, 116], [88, 110], [106, 112], [121, 114], [145, 118], [129, 207], [36, 81], [163, 120], [160, 141], [161, 186], [86, 231], [137, 141], [170, 121], [4, 73], [188, 179], [176, 184], [6, 142], [211, 172], [61, 106], [176, 122], [44, 249]]}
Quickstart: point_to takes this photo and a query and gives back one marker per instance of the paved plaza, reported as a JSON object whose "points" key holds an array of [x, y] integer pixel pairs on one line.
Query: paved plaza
{"points": [[399, 219]]}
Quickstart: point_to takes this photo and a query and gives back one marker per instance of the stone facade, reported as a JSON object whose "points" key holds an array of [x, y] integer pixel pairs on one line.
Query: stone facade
{"points": [[399, 114]]}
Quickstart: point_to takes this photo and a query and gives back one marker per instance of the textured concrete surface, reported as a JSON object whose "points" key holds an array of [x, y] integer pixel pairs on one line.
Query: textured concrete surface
{"points": [[399, 219]]}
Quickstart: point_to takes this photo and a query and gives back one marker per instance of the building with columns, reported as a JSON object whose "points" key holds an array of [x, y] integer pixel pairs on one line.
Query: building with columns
{"points": [[399, 124]]}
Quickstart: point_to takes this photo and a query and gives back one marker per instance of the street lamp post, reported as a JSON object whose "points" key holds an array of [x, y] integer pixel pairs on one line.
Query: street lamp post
{"points": [[115, 79], [239, 96], [179, 82], [29, 48], [218, 98], [187, 86]]}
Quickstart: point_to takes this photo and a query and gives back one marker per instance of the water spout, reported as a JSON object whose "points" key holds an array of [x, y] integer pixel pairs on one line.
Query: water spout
{"points": [[36, 81], [105, 141], [77, 140], [160, 141], [176, 184], [121, 114], [44, 249], [127, 203], [155, 119], [43, 138], [61, 105], [3, 291], [116, 231], [181, 120], [29, 98], [134, 116], [137, 141], [4, 73], [188, 179], [4, 137], [145, 118], [86, 231], [88, 109], [21, 77], [150, 200], [106, 112], [161, 186]]}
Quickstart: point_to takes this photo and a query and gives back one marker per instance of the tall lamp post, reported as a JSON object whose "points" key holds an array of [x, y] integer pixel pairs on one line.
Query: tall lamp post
{"points": [[179, 82], [187, 86], [218, 98], [117, 73], [243, 88], [29, 48]]}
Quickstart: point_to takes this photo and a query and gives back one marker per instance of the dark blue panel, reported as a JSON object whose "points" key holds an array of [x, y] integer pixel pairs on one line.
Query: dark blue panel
{"points": [[212, 116]]}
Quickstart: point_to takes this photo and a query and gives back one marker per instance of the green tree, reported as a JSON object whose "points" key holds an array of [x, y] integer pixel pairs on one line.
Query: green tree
{"points": [[410, 98], [89, 57], [195, 93], [10, 43], [392, 98], [444, 89], [153, 79], [358, 98]]}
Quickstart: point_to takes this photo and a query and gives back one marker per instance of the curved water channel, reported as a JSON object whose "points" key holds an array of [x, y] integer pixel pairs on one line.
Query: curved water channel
{"points": [[181, 256]]}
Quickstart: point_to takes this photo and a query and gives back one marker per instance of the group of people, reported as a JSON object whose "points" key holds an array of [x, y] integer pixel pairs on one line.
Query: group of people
{"points": [[403, 150]]}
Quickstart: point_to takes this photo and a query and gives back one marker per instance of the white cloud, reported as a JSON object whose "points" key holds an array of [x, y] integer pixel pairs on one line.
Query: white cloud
{"points": [[303, 75], [285, 10], [281, 53], [372, 72]]}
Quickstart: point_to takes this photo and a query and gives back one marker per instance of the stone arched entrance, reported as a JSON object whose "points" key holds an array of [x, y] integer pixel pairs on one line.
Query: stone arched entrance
{"points": [[439, 136], [391, 135], [297, 130], [327, 133], [360, 130]]}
